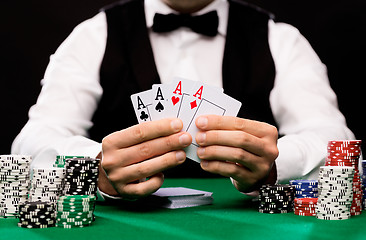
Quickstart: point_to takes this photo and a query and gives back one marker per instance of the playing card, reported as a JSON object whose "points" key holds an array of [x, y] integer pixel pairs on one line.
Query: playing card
{"points": [[179, 92], [210, 103], [179, 197], [184, 99], [160, 102], [142, 104], [194, 97]]}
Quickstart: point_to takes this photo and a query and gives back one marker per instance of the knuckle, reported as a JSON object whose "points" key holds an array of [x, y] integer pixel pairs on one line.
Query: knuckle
{"points": [[242, 138], [144, 150], [142, 171], [239, 123], [272, 131], [234, 170], [239, 154], [107, 163], [139, 132], [107, 142], [169, 143], [274, 152]]}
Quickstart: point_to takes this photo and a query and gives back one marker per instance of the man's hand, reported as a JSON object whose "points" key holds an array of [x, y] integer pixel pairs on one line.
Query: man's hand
{"points": [[141, 151], [242, 149]]}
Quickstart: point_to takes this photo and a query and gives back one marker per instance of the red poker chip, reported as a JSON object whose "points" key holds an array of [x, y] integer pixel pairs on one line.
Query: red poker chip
{"points": [[348, 142], [304, 214], [338, 158], [305, 205], [344, 148], [351, 156], [306, 200], [340, 164], [305, 209], [333, 157]]}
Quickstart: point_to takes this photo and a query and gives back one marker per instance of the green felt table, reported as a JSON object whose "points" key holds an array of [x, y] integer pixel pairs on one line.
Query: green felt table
{"points": [[231, 216]]}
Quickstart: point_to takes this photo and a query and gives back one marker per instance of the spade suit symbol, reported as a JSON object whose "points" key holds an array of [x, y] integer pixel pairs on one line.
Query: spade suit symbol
{"points": [[143, 116], [159, 107]]}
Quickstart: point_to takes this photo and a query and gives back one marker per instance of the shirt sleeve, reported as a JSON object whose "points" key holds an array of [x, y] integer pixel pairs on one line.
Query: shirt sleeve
{"points": [[59, 121], [303, 104]]}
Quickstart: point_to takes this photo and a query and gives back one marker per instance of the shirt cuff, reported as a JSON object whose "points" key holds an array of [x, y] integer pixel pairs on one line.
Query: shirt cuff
{"points": [[106, 197]]}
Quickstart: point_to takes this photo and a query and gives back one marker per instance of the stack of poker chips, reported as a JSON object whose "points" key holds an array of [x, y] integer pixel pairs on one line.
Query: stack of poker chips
{"points": [[363, 180], [305, 188], [347, 153], [14, 183], [276, 198], [81, 176], [305, 206], [46, 184], [335, 192], [75, 211], [37, 215]]}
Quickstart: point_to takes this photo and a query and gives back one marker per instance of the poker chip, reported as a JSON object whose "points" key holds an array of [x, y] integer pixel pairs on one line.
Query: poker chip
{"points": [[75, 211], [335, 190], [276, 198], [46, 184], [36, 214], [14, 183], [363, 183], [81, 176], [305, 188], [305, 206], [347, 153]]}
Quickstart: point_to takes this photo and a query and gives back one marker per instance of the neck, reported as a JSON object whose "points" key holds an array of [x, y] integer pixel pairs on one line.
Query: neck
{"points": [[187, 6]]}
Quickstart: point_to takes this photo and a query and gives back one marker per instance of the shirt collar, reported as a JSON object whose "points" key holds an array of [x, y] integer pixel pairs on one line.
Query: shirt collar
{"points": [[157, 6]]}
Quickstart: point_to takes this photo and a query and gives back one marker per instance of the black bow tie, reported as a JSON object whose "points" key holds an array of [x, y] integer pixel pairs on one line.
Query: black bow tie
{"points": [[205, 24]]}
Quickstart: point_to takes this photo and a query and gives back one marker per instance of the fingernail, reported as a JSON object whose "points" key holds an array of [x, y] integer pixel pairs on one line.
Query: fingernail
{"points": [[176, 124], [202, 122], [184, 139], [200, 151], [180, 155], [204, 163], [200, 137]]}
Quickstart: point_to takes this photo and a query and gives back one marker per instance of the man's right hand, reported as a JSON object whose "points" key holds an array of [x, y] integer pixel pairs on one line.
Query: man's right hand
{"points": [[141, 151]]}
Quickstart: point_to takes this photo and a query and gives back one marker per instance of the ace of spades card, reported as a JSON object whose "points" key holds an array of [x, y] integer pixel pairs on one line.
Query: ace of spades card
{"points": [[160, 102]]}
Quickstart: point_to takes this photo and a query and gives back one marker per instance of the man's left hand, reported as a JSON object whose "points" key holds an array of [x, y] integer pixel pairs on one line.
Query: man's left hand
{"points": [[242, 149]]}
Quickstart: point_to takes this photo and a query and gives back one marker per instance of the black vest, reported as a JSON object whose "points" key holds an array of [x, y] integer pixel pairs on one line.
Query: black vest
{"points": [[128, 67]]}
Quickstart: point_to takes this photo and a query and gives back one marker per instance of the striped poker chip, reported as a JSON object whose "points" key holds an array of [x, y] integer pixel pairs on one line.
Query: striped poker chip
{"points": [[276, 198], [36, 215], [75, 211], [46, 184], [14, 183]]}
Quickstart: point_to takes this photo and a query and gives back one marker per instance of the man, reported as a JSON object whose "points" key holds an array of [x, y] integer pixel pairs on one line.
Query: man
{"points": [[268, 66]]}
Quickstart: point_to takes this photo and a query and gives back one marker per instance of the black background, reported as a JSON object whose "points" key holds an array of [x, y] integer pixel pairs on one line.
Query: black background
{"points": [[31, 31]]}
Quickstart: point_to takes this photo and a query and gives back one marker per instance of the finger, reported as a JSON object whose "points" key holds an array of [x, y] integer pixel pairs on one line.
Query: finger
{"points": [[237, 139], [142, 132], [147, 168], [230, 154], [215, 122], [228, 169], [150, 149], [142, 189]]}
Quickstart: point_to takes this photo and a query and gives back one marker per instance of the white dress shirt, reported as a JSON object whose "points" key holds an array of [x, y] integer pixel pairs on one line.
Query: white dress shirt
{"points": [[303, 104]]}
